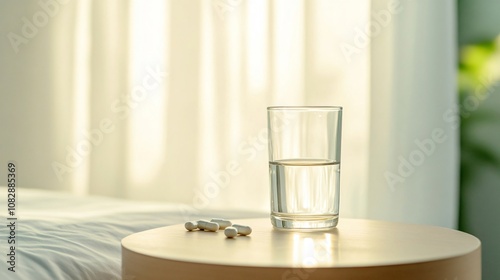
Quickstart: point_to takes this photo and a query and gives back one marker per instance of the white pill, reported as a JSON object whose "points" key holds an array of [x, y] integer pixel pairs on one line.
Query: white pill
{"points": [[222, 222], [191, 225], [201, 224], [243, 230], [208, 225], [231, 232]]}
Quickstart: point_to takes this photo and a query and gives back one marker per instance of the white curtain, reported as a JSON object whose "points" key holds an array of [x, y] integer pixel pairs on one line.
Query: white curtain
{"points": [[414, 143], [166, 100]]}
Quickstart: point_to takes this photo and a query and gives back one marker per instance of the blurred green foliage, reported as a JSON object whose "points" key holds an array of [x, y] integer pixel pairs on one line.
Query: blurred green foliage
{"points": [[473, 65], [478, 79], [479, 107]]}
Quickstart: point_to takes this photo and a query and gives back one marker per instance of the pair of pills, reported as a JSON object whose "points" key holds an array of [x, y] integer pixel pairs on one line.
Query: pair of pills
{"points": [[214, 225], [202, 225], [234, 230]]}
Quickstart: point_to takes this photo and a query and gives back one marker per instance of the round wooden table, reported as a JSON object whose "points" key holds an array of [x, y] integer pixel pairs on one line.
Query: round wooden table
{"points": [[356, 249]]}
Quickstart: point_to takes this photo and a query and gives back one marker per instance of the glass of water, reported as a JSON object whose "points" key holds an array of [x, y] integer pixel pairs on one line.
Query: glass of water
{"points": [[304, 166]]}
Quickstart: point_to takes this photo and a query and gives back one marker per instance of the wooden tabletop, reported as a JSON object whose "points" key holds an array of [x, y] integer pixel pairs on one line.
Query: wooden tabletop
{"points": [[356, 249]]}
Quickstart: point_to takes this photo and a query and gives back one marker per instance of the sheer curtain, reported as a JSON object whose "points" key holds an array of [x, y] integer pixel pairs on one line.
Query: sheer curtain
{"points": [[166, 100]]}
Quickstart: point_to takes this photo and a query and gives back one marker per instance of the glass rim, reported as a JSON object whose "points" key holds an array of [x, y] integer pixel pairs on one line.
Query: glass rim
{"points": [[330, 108]]}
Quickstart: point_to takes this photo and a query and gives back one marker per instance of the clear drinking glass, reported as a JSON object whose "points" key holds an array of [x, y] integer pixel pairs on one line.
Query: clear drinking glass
{"points": [[304, 166]]}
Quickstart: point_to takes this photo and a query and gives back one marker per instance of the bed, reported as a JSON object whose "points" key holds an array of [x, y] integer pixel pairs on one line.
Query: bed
{"points": [[64, 236]]}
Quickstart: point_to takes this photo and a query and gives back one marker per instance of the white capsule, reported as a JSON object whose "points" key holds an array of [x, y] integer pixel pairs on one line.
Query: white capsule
{"points": [[243, 230], [191, 225], [206, 225], [222, 222], [201, 224], [231, 232]]}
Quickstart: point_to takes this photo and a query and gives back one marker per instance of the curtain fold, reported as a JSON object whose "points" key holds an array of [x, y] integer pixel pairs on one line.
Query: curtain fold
{"points": [[413, 131], [166, 100]]}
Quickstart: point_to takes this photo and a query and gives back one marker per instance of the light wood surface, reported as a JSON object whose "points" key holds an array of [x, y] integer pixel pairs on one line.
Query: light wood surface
{"points": [[356, 249]]}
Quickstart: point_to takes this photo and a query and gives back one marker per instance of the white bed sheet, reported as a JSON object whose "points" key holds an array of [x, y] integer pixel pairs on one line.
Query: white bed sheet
{"points": [[63, 236]]}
